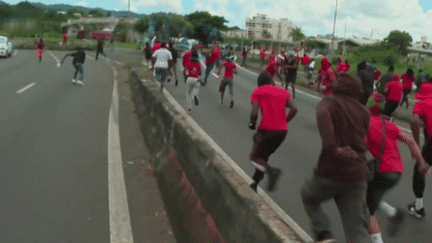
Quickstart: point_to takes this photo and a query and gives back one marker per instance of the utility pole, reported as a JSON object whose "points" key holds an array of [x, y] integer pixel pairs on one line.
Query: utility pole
{"points": [[343, 49], [334, 29], [128, 19]]}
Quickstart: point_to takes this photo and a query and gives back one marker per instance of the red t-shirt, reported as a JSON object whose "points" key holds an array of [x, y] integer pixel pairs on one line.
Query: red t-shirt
{"points": [[407, 81], [272, 101], [347, 67], [391, 159], [262, 54], [328, 77], [341, 67], [376, 74], [213, 57], [229, 70], [218, 52], [272, 68], [305, 60], [156, 47], [186, 57], [395, 91], [194, 69], [424, 109], [297, 58], [272, 57], [244, 54]]}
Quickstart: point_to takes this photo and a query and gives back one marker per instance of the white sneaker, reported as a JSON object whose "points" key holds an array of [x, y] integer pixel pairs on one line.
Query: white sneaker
{"points": [[74, 81], [80, 82]]}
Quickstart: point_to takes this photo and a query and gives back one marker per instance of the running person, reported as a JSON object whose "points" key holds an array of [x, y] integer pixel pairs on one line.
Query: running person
{"points": [[262, 56], [99, 49], [391, 165], [230, 69], [310, 70], [173, 69], [161, 62], [193, 68], [147, 53], [407, 82], [291, 67], [272, 69], [211, 58], [78, 62], [272, 130], [422, 117], [40, 45], [326, 76], [393, 91]]}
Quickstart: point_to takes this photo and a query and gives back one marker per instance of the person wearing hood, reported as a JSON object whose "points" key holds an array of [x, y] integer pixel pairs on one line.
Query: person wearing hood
{"points": [[382, 141], [341, 173], [230, 70], [326, 76], [422, 117]]}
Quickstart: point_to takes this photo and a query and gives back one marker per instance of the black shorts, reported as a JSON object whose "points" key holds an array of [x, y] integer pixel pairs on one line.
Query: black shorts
{"points": [[224, 83], [265, 144], [290, 78]]}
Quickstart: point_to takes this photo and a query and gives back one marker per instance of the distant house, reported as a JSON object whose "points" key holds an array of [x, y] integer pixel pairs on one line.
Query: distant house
{"points": [[61, 12]]}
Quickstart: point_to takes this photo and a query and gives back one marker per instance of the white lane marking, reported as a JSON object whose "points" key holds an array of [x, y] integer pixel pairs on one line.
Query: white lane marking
{"points": [[25, 88], [206, 68], [57, 60], [120, 225], [279, 211]]}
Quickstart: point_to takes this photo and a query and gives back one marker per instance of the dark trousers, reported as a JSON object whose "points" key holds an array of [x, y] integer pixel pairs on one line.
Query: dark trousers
{"points": [[381, 184], [405, 97], [350, 199], [208, 71], [390, 107], [418, 180], [78, 69], [101, 52]]}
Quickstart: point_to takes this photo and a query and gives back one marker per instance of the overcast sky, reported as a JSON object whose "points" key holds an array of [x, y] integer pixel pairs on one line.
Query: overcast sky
{"points": [[313, 16]]}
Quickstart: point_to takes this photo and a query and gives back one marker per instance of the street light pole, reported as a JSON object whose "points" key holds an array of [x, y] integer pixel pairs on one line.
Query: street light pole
{"points": [[334, 29], [128, 19]]}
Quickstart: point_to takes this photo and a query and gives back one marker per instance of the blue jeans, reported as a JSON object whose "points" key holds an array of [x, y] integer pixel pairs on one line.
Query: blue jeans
{"points": [[207, 72], [79, 69], [161, 74]]}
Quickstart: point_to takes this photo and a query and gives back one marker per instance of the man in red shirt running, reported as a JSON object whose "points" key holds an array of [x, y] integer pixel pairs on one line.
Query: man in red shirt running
{"points": [[272, 69], [186, 57], [272, 130], [393, 91], [230, 69], [326, 75], [422, 117], [211, 59], [192, 86]]}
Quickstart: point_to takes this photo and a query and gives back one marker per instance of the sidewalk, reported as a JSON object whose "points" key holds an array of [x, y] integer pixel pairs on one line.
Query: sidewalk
{"points": [[401, 113]]}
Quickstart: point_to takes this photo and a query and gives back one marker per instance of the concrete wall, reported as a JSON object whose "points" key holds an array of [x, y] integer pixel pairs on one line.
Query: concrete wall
{"points": [[206, 199]]}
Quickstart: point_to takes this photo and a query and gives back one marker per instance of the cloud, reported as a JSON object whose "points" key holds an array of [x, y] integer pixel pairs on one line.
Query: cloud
{"points": [[81, 3], [316, 17], [171, 5]]}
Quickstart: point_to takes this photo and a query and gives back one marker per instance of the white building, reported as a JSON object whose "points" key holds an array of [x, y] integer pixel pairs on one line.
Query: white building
{"points": [[422, 44], [235, 33], [279, 30]]}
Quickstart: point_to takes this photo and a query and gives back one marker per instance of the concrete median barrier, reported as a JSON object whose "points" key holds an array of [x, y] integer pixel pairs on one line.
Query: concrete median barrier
{"points": [[205, 197]]}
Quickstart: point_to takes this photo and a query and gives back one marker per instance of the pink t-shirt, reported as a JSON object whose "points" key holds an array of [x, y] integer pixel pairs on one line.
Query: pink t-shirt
{"points": [[391, 159], [328, 77], [424, 109], [395, 91], [272, 68], [273, 103], [194, 69], [407, 81], [229, 70]]}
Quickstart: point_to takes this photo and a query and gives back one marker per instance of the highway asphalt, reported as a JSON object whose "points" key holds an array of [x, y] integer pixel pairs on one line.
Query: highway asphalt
{"points": [[297, 156], [54, 181]]}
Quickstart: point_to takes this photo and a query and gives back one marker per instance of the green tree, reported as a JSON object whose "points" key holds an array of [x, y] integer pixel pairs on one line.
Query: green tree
{"points": [[401, 40], [266, 34], [206, 28], [108, 14], [141, 25], [297, 34], [95, 13]]}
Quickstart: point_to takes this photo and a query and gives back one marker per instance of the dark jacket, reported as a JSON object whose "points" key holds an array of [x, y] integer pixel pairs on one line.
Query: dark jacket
{"points": [[343, 121]]}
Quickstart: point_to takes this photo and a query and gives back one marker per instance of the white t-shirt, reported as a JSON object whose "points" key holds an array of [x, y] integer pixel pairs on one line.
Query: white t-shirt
{"points": [[312, 64], [162, 56]]}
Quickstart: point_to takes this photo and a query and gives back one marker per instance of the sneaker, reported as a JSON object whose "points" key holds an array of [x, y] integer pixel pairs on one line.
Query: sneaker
{"points": [[325, 237], [169, 80], [232, 104], [254, 187], [74, 81], [189, 110], [80, 82], [418, 213], [221, 102], [176, 83], [196, 100], [274, 174]]}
